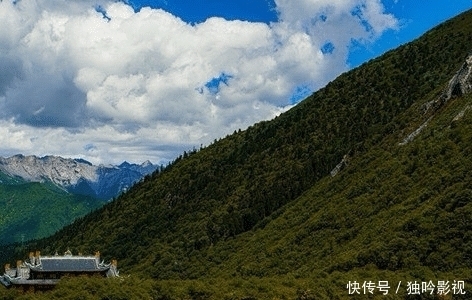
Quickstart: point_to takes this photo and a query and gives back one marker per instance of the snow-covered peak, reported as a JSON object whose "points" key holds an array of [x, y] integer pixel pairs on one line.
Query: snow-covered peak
{"points": [[76, 175], [146, 164], [61, 171]]}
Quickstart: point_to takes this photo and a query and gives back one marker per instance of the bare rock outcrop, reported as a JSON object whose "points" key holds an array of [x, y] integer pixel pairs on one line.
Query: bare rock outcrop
{"points": [[460, 84]]}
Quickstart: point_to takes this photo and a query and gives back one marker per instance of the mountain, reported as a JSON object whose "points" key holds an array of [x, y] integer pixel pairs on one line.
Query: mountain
{"points": [[40, 195], [77, 176], [367, 182], [32, 210]]}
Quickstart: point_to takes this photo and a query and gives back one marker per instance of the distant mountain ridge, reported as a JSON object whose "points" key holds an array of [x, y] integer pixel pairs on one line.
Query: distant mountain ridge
{"points": [[77, 176]]}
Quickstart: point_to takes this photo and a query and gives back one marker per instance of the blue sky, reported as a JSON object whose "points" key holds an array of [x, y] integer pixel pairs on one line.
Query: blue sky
{"points": [[109, 81], [416, 17], [199, 10]]}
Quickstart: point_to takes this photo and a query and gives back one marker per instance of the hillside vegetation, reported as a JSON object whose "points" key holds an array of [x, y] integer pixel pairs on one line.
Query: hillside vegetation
{"points": [[257, 215], [40, 195], [32, 210]]}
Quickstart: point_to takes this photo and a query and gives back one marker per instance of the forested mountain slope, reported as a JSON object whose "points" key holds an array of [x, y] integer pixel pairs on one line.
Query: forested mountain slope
{"points": [[261, 205], [31, 210]]}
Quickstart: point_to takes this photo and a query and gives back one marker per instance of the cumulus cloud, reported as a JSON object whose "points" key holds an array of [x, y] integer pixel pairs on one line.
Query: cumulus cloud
{"points": [[95, 79]]}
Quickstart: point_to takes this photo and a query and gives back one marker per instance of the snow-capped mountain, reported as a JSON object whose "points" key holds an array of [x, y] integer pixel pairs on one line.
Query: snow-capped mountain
{"points": [[76, 175]]}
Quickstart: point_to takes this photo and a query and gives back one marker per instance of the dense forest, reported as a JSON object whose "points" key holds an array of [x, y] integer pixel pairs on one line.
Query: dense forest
{"points": [[258, 215], [32, 210]]}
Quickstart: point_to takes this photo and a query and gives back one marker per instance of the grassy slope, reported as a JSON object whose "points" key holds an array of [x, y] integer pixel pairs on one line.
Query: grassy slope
{"points": [[255, 214], [36, 210]]}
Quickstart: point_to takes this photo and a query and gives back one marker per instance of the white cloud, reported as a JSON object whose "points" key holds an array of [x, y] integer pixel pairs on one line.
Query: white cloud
{"points": [[135, 86]]}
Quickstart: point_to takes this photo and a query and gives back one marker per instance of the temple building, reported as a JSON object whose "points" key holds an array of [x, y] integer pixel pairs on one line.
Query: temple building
{"points": [[43, 272]]}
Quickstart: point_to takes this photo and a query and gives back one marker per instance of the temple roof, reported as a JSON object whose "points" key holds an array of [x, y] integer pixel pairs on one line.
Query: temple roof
{"points": [[69, 264]]}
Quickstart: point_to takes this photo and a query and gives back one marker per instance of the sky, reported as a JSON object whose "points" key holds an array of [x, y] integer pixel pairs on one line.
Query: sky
{"points": [[137, 80]]}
